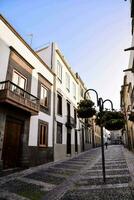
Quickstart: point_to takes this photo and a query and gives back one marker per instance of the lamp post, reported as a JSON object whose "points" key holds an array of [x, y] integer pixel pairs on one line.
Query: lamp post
{"points": [[100, 104]]}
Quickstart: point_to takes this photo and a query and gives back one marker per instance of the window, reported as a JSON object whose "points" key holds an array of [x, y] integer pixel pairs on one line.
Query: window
{"points": [[43, 135], [74, 90], [44, 96], [67, 82], [59, 70], [59, 133], [75, 116], [59, 104], [19, 80]]}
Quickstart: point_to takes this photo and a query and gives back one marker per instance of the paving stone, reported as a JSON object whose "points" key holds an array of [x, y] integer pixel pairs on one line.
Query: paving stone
{"points": [[110, 172], [68, 166], [99, 181], [44, 177], [30, 191], [45, 186], [70, 170], [111, 164], [110, 167], [109, 194], [81, 163], [79, 178], [60, 171], [9, 171]]}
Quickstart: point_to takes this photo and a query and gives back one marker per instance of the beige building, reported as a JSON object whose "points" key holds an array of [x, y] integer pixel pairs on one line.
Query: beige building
{"points": [[127, 93]]}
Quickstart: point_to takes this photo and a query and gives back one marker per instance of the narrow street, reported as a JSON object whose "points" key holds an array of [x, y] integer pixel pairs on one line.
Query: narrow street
{"points": [[78, 178]]}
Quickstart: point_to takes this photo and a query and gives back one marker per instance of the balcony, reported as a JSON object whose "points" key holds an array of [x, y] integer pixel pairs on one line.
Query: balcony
{"points": [[12, 94], [70, 122]]}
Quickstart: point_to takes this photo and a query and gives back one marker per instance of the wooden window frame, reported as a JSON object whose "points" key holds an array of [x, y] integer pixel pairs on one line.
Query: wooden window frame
{"points": [[44, 87], [22, 76], [43, 124]]}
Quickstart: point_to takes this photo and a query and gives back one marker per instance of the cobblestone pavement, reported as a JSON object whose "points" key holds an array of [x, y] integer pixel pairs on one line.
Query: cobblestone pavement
{"points": [[79, 178]]}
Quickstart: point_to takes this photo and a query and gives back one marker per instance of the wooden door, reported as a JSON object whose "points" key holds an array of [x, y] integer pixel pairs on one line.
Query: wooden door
{"points": [[11, 146], [76, 142], [68, 141]]}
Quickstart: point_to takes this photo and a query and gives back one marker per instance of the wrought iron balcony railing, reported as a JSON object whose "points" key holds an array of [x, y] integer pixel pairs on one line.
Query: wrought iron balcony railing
{"points": [[15, 95]]}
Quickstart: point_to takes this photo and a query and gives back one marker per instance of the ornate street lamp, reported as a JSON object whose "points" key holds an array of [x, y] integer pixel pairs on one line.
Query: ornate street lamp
{"points": [[100, 104]]}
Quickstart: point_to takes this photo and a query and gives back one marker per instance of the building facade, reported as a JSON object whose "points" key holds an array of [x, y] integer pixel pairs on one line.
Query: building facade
{"points": [[26, 103], [127, 93], [71, 136], [39, 93]]}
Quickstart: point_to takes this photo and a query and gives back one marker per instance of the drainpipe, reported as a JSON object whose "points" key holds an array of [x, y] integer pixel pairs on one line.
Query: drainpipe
{"points": [[54, 90]]}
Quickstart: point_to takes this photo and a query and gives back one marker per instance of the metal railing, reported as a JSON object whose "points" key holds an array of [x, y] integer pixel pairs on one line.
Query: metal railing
{"points": [[12, 91]]}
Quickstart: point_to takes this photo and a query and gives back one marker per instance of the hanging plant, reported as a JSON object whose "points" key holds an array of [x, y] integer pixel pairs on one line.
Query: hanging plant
{"points": [[108, 115], [111, 120], [131, 117], [114, 124], [86, 109]]}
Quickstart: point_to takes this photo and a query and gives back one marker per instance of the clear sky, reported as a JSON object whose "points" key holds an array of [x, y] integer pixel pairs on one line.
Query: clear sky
{"points": [[92, 35]]}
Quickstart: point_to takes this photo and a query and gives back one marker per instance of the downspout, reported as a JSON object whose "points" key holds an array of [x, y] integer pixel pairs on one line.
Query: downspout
{"points": [[54, 89]]}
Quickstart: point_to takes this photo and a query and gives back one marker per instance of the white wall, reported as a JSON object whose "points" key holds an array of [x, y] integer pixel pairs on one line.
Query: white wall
{"points": [[61, 88], [4, 58], [33, 132], [45, 55]]}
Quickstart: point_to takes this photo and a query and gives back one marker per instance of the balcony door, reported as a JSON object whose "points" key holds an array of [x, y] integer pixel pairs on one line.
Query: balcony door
{"points": [[12, 143], [19, 80]]}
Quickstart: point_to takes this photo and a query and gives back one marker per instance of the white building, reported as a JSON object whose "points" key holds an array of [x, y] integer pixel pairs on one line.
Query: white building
{"points": [[26, 125], [69, 131], [39, 93]]}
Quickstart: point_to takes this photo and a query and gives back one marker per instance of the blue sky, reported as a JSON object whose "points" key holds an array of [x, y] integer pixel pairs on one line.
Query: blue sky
{"points": [[92, 35]]}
